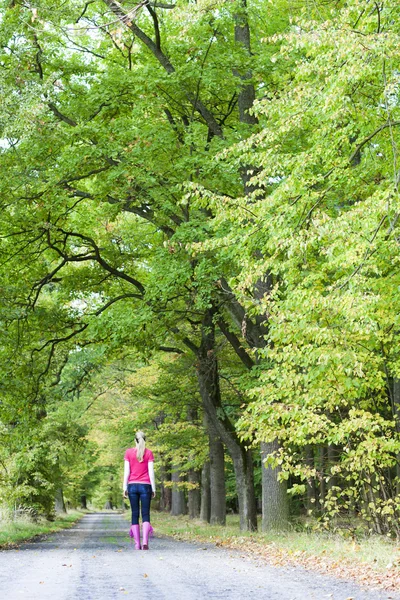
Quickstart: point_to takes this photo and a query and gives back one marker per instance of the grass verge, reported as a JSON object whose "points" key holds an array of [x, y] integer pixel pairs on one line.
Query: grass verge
{"points": [[370, 561], [22, 530]]}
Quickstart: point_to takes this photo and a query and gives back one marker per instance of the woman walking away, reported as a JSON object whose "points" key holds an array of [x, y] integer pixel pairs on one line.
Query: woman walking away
{"points": [[139, 486]]}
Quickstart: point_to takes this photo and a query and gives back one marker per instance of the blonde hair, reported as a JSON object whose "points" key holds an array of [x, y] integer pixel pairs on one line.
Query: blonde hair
{"points": [[140, 439]]}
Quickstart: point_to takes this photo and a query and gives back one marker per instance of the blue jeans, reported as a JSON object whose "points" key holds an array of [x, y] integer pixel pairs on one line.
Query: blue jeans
{"points": [[140, 494]]}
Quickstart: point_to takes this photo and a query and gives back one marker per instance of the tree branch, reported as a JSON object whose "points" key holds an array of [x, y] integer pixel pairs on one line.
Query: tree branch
{"points": [[80, 177], [368, 138], [84, 10], [106, 266], [235, 343], [156, 26], [60, 116], [56, 341], [122, 297], [187, 342], [171, 349], [253, 333], [164, 61]]}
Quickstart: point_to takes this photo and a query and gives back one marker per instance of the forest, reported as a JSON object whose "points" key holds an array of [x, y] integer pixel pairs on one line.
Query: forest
{"points": [[198, 239]]}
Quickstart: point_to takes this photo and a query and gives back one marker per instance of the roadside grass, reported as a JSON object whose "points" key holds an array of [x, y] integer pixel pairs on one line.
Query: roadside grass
{"points": [[368, 559], [22, 529], [377, 551]]}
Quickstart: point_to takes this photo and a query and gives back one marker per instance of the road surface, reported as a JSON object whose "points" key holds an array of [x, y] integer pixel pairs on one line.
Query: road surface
{"points": [[95, 560]]}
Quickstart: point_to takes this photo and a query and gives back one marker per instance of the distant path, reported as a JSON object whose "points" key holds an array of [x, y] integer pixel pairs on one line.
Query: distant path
{"points": [[95, 560]]}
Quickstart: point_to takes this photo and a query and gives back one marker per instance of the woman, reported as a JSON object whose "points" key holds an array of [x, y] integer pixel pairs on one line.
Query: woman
{"points": [[139, 486]]}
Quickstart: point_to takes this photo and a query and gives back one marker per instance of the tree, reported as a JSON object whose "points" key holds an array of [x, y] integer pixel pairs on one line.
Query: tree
{"points": [[325, 229]]}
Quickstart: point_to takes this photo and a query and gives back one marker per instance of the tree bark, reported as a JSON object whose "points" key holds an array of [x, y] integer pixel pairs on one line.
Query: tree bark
{"points": [[208, 378], [331, 462], [311, 487], [178, 502], [205, 506], [247, 92], [396, 414], [59, 504], [165, 491], [244, 472], [275, 500], [217, 478], [194, 494], [253, 333], [321, 477], [274, 493]]}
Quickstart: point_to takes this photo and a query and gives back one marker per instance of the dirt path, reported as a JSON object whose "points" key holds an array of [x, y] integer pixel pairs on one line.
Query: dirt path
{"points": [[95, 560]]}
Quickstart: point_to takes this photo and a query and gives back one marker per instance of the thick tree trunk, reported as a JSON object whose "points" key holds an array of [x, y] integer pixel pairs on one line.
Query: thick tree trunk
{"points": [[194, 494], [193, 474], [275, 500], [83, 502], [217, 475], [254, 333], [165, 491], [59, 504], [178, 502], [217, 482], [244, 474], [247, 93], [210, 394], [243, 469], [205, 506]]}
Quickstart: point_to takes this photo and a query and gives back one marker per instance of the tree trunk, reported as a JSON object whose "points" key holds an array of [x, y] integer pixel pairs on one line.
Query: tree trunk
{"points": [[244, 474], [321, 477], [275, 500], [311, 487], [165, 491], [396, 414], [83, 502], [243, 469], [194, 494], [59, 504], [217, 478], [178, 503], [211, 397], [331, 462], [205, 507]]}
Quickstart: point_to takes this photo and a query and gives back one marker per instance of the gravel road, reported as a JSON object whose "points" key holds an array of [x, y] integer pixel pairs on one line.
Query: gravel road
{"points": [[95, 560]]}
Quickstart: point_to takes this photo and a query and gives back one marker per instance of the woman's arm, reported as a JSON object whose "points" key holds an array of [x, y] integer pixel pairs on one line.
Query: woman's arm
{"points": [[127, 470], [150, 468]]}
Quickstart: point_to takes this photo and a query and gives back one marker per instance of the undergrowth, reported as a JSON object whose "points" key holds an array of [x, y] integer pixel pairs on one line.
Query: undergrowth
{"points": [[377, 552], [22, 529]]}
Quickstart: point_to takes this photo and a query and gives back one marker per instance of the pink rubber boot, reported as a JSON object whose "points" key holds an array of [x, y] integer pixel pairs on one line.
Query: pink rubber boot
{"points": [[147, 530], [134, 533]]}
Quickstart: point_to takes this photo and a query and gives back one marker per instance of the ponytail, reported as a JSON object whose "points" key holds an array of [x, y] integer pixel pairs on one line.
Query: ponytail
{"points": [[140, 445]]}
